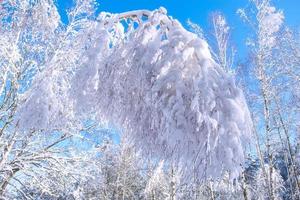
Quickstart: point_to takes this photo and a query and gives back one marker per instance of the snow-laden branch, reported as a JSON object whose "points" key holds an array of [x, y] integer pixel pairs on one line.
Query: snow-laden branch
{"points": [[158, 82]]}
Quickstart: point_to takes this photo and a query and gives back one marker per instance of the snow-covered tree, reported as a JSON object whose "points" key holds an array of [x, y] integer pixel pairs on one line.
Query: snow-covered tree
{"points": [[222, 50], [156, 187], [32, 40], [182, 106], [112, 171], [261, 190], [274, 62]]}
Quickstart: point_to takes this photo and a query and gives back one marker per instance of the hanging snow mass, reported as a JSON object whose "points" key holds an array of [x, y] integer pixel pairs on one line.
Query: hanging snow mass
{"points": [[145, 73]]}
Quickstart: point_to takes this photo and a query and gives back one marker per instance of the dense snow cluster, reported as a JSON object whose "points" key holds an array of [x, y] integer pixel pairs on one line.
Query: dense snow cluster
{"points": [[144, 72]]}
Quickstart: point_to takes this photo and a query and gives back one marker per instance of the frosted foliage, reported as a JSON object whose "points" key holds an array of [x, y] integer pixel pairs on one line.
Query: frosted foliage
{"points": [[157, 181], [45, 109], [159, 83], [270, 23], [278, 183], [47, 17]]}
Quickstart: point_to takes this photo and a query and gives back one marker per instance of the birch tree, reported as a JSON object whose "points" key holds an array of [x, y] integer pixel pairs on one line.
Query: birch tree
{"points": [[269, 58]]}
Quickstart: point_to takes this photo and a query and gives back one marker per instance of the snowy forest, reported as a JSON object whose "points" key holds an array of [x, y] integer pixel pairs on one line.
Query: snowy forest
{"points": [[137, 105]]}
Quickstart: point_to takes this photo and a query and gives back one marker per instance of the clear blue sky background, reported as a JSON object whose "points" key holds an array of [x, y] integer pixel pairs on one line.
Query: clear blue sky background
{"points": [[198, 11]]}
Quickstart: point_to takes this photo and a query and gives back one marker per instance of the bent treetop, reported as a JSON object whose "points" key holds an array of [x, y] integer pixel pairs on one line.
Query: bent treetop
{"points": [[144, 72]]}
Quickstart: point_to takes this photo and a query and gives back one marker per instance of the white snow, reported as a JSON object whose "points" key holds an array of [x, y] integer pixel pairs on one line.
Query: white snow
{"points": [[161, 85]]}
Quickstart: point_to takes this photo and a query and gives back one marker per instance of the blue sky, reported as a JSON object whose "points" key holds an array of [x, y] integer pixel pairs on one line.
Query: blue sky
{"points": [[198, 11]]}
